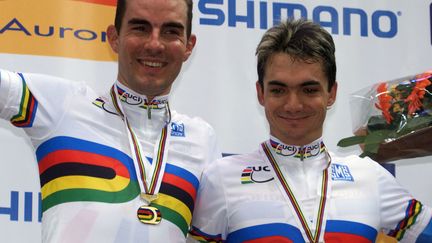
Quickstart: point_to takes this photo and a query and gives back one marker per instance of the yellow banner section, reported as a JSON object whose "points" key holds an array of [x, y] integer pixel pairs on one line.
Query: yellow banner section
{"points": [[65, 28]]}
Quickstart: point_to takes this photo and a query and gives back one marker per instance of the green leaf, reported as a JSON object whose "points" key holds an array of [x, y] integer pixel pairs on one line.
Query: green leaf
{"points": [[371, 148], [350, 141], [376, 123], [419, 122], [377, 137], [414, 124]]}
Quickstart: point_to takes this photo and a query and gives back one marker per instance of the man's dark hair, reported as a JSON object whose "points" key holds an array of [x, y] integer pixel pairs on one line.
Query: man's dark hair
{"points": [[301, 40], [121, 9]]}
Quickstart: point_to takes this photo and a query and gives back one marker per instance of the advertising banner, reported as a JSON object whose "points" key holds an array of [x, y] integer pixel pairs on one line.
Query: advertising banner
{"points": [[375, 41]]}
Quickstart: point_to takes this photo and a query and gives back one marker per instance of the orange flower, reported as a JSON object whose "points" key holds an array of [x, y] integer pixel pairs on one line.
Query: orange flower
{"points": [[418, 93], [384, 101]]}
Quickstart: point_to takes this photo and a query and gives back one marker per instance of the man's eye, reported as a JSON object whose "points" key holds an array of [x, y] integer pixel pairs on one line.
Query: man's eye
{"points": [[276, 91], [140, 28], [310, 90], [172, 31]]}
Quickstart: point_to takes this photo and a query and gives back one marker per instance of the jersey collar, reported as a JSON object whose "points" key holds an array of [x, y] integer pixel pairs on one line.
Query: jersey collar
{"points": [[311, 151]]}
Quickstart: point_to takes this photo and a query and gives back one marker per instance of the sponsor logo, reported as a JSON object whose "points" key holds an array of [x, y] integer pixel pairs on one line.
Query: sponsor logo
{"points": [[256, 174], [61, 32], [341, 173], [380, 23], [30, 31], [177, 129], [31, 210]]}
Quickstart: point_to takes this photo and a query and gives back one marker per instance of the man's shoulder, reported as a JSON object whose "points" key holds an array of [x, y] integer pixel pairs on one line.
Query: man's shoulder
{"points": [[195, 122], [356, 163], [239, 160], [351, 159], [53, 84]]}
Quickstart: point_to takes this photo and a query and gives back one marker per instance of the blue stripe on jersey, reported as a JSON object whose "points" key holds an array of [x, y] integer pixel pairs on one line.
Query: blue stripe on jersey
{"points": [[426, 235], [267, 230], [348, 227], [191, 178]]}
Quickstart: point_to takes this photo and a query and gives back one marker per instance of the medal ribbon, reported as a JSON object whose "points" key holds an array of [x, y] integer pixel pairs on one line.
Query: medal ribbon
{"points": [[160, 154], [312, 237]]}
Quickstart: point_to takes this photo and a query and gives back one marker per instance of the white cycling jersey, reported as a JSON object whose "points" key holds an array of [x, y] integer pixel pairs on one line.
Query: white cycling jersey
{"points": [[284, 193], [89, 172]]}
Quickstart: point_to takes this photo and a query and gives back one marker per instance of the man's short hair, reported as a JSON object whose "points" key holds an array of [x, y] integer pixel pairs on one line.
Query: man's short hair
{"points": [[121, 9], [301, 40]]}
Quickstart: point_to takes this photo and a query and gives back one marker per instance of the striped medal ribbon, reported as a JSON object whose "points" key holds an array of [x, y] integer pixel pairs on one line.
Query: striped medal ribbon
{"points": [[314, 238], [146, 214]]}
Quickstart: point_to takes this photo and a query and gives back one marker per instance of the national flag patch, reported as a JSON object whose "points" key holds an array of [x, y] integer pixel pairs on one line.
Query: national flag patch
{"points": [[341, 173]]}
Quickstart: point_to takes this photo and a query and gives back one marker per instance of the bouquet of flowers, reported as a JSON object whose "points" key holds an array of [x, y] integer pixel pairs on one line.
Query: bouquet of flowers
{"points": [[393, 120]]}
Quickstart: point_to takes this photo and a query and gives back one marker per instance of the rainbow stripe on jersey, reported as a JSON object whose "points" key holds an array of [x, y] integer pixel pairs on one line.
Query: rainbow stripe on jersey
{"points": [[413, 210], [177, 195], [74, 170], [27, 108]]}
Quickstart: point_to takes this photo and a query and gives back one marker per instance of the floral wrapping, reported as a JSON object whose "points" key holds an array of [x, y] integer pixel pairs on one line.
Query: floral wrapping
{"points": [[393, 120]]}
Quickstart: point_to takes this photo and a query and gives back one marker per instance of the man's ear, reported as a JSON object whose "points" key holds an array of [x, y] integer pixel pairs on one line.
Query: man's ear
{"points": [[113, 38], [190, 44], [260, 93], [332, 97]]}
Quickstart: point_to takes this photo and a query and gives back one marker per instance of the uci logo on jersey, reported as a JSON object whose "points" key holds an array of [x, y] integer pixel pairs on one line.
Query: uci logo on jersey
{"points": [[256, 174], [177, 130], [341, 173]]}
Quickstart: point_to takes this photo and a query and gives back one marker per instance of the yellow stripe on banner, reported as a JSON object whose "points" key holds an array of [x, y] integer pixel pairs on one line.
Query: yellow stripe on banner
{"points": [[84, 182], [63, 28], [176, 205]]}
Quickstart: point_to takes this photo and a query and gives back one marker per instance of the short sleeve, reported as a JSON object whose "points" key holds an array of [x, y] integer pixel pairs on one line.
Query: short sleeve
{"points": [[214, 152], [11, 89], [402, 216], [36, 102], [209, 221]]}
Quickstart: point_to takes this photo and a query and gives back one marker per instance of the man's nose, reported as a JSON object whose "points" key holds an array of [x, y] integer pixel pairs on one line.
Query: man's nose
{"points": [[154, 41], [293, 102]]}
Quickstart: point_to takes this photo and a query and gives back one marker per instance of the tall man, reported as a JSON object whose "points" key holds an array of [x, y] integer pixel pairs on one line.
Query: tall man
{"points": [[118, 167], [292, 189]]}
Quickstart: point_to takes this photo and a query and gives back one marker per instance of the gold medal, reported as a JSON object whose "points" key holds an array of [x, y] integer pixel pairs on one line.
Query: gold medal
{"points": [[149, 197], [150, 186], [149, 215]]}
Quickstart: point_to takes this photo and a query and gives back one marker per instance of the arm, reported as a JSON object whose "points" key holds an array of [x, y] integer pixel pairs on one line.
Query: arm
{"points": [[35, 102], [10, 94], [403, 217]]}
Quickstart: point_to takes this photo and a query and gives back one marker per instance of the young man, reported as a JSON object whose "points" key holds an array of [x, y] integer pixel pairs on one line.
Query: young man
{"points": [[118, 167], [292, 189]]}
